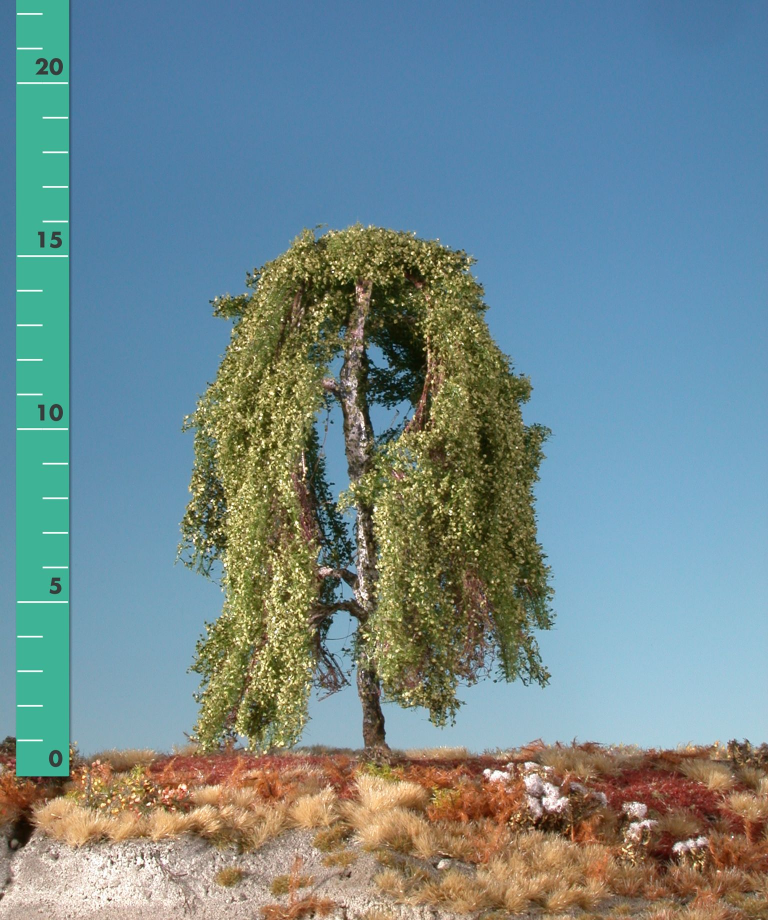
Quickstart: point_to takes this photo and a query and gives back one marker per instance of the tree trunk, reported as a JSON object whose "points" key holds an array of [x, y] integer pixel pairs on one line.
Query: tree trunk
{"points": [[358, 442]]}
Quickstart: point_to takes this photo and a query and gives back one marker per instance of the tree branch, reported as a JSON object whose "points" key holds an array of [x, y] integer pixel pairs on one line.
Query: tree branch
{"points": [[321, 612], [330, 384], [325, 571]]}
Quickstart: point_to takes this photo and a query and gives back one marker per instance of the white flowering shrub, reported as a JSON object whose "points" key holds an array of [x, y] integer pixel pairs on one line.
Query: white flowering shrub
{"points": [[545, 801], [693, 852], [635, 810]]}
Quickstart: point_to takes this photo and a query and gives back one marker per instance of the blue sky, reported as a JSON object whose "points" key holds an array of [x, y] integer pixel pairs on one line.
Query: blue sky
{"points": [[607, 166]]}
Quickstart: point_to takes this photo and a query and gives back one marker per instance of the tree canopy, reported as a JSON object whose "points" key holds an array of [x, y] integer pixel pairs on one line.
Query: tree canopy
{"points": [[458, 579]]}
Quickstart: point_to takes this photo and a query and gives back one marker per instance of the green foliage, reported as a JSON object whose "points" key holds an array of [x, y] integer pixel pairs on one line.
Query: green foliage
{"points": [[96, 787], [461, 577], [382, 771], [444, 797]]}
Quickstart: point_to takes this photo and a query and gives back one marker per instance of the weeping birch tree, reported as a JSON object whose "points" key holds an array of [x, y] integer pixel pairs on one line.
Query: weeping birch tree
{"points": [[435, 535]]}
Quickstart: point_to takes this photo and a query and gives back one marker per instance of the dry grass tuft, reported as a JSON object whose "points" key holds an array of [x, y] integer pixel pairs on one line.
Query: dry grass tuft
{"points": [[750, 807], [586, 765], [585, 897], [271, 826], [295, 910], [456, 891], [164, 825], [549, 871], [125, 761], [63, 819], [191, 749], [342, 858], [333, 838], [455, 842], [717, 912], [74, 824], [753, 778], [282, 884], [377, 794], [391, 882], [48, 815], [206, 795], [317, 810], [228, 876], [438, 753], [241, 798], [681, 823], [128, 826], [206, 821], [395, 828], [715, 776]]}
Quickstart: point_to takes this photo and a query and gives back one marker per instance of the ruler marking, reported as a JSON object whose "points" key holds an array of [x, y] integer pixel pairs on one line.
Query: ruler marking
{"points": [[51, 662]]}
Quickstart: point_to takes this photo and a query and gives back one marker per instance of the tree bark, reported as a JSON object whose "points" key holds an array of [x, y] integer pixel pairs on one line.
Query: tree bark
{"points": [[358, 442]]}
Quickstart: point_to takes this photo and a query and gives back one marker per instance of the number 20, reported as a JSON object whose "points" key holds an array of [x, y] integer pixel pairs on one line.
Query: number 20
{"points": [[55, 64]]}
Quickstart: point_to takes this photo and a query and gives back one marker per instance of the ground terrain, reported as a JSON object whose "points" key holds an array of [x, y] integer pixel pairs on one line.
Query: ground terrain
{"points": [[541, 831]]}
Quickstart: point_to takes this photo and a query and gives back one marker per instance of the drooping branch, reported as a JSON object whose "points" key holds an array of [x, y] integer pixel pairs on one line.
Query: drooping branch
{"points": [[480, 629], [330, 674], [292, 318], [231, 716], [433, 378], [309, 526]]}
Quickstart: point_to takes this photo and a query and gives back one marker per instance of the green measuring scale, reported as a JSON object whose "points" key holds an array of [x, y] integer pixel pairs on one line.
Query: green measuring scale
{"points": [[42, 388]]}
